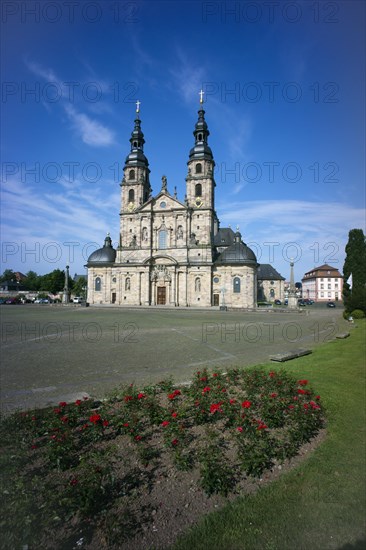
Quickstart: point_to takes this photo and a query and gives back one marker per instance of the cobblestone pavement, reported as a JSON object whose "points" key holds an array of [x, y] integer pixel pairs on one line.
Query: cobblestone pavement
{"points": [[60, 353]]}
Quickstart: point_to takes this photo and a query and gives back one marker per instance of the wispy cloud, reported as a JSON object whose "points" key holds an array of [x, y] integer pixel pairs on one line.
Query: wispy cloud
{"points": [[90, 131], [64, 214], [314, 232]]}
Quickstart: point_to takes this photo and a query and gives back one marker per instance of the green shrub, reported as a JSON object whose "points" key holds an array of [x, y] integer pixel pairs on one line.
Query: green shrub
{"points": [[358, 314]]}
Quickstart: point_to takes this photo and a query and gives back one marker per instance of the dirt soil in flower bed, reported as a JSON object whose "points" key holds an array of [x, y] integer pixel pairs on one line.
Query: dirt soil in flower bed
{"points": [[163, 503], [137, 470], [176, 502]]}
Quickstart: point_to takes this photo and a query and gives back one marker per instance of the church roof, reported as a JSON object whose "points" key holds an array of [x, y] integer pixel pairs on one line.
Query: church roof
{"points": [[106, 254], [267, 272], [224, 237], [237, 253]]}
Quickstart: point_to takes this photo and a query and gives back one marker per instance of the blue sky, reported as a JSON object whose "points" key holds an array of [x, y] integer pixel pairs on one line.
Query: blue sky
{"points": [[284, 90]]}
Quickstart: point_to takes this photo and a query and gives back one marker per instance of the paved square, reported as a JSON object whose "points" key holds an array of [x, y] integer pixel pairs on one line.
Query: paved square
{"points": [[53, 353]]}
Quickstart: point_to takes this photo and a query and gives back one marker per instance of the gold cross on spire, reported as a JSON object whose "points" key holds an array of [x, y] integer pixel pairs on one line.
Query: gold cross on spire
{"points": [[138, 103], [201, 96]]}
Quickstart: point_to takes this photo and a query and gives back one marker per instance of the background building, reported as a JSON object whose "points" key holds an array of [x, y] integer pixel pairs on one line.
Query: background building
{"points": [[322, 284], [270, 284]]}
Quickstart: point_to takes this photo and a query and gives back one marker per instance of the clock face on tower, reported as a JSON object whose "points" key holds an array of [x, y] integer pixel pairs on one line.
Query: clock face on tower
{"points": [[198, 202], [131, 206]]}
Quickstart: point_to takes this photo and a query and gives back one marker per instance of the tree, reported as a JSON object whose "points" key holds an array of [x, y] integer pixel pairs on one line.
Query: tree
{"points": [[53, 282], [80, 287], [32, 281], [354, 296], [8, 275]]}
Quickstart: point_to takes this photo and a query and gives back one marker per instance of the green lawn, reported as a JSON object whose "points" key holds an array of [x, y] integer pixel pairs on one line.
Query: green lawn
{"points": [[320, 504]]}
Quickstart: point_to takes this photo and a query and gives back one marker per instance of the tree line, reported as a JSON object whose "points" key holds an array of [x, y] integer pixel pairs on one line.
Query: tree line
{"points": [[52, 282]]}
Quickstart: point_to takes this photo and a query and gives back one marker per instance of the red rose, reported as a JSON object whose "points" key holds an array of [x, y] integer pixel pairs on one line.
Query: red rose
{"points": [[165, 423], [302, 382], [175, 442], [78, 402], [62, 404], [128, 398], [240, 429], [95, 418], [206, 389], [246, 404], [141, 396], [274, 394]]}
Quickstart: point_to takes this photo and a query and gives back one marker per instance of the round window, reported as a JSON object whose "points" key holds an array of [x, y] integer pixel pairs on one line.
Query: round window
{"points": [[163, 204], [216, 280], [114, 279]]}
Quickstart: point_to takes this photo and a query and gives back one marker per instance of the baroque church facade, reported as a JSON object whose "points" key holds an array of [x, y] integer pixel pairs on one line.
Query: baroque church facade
{"points": [[172, 253]]}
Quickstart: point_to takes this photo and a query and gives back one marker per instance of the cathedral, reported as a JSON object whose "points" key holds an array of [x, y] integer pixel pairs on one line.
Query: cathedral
{"points": [[172, 252]]}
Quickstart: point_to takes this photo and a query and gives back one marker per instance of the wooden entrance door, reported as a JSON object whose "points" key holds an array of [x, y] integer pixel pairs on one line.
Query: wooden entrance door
{"points": [[216, 298], [161, 297]]}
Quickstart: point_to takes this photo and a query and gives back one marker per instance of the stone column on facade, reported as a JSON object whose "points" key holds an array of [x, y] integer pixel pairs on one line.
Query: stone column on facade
{"points": [[147, 287], [172, 288]]}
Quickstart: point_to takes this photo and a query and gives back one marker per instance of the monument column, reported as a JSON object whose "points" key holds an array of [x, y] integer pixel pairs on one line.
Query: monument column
{"points": [[66, 292]]}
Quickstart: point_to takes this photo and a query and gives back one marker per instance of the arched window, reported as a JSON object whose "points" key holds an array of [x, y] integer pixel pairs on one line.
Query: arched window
{"points": [[131, 195], [198, 168], [197, 284], [98, 284], [199, 137], [236, 284], [128, 283], [272, 293], [162, 238], [198, 190], [131, 175]]}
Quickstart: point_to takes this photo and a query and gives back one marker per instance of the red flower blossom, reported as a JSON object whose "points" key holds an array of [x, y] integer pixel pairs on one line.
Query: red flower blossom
{"points": [[223, 390], [272, 374], [173, 395], [141, 396], [126, 424], [301, 391], [215, 374], [239, 428], [246, 404], [206, 389], [95, 418], [174, 414], [291, 406], [138, 437], [74, 481], [34, 446], [62, 404], [78, 402], [216, 407], [165, 423], [274, 394], [57, 411], [261, 426], [302, 382], [128, 398], [203, 379], [317, 397], [175, 442], [64, 418], [232, 401], [85, 398], [105, 423]]}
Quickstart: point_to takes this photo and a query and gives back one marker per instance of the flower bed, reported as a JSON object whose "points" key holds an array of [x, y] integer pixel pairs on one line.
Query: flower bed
{"points": [[96, 471]]}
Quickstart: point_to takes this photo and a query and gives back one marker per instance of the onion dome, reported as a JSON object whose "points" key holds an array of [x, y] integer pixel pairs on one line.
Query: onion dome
{"points": [[104, 255], [237, 253]]}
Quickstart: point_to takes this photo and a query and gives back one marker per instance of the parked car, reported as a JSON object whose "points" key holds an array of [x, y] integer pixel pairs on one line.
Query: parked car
{"points": [[301, 303], [78, 300], [331, 304], [278, 302]]}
